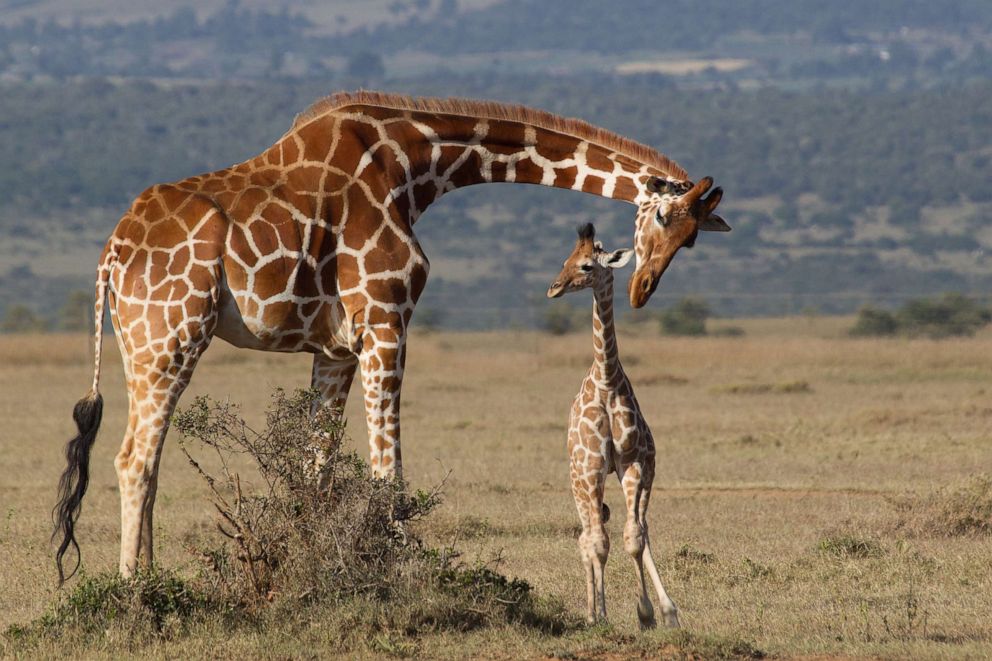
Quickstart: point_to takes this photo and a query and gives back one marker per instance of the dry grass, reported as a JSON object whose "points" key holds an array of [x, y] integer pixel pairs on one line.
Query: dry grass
{"points": [[963, 509], [760, 507]]}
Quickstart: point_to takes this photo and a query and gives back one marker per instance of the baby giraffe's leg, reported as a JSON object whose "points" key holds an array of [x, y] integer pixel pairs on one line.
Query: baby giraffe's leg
{"points": [[637, 480], [594, 543], [634, 535]]}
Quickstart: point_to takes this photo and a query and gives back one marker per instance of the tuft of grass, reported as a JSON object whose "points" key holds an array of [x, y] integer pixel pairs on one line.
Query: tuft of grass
{"points": [[959, 510], [689, 560], [787, 387], [748, 571], [603, 641], [469, 527], [849, 545], [659, 378]]}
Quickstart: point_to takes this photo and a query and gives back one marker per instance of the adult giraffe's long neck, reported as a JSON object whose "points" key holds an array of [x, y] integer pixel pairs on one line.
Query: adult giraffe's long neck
{"points": [[468, 151], [604, 338], [422, 155]]}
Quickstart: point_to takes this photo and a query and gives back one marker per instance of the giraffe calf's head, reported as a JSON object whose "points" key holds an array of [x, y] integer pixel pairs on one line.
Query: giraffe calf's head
{"points": [[670, 216], [588, 265]]}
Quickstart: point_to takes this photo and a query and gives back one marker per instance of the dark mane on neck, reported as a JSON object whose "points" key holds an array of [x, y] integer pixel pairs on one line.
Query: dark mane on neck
{"points": [[500, 111]]}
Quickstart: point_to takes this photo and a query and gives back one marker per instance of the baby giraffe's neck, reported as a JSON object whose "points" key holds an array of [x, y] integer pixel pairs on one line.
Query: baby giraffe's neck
{"points": [[604, 339]]}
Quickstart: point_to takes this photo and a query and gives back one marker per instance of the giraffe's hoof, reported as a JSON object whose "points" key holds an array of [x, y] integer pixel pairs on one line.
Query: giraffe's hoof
{"points": [[645, 614], [672, 619]]}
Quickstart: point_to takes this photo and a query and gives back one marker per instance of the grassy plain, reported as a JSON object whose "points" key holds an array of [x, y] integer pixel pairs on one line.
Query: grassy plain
{"points": [[799, 505]]}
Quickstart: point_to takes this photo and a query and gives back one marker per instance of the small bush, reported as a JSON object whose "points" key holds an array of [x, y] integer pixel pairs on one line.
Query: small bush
{"points": [[687, 317], [149, 604], [333, 535], [22, 319], [961, 510], [947, 316], [558, 320], [874, 322]]}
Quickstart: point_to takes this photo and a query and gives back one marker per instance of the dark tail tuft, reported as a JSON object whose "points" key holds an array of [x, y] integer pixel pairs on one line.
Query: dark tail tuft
{"points": [[75, 478]]}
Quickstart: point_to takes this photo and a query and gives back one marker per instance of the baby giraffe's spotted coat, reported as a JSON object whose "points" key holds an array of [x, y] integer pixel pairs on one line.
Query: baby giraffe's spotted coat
{"points": [[607, 434]]}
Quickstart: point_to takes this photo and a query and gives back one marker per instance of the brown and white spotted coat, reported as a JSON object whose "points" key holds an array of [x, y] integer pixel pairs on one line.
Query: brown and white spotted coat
{"points": [[309, 246], [607, 434]]}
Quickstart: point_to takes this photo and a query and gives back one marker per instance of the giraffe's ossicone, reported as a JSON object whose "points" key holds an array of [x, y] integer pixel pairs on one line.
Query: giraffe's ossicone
{"points": [[309, 246]]}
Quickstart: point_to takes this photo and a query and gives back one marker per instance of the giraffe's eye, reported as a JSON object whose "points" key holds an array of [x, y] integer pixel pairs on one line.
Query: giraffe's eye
{"points": [[585, 268], [660, 218]]}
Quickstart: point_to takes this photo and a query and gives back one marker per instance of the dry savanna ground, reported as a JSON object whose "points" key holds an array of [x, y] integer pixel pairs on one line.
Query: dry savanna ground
{"points": [[811, 497]]}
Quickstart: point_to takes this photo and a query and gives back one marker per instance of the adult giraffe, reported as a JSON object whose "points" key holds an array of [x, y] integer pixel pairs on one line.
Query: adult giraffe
{"points": [[309, 246]]}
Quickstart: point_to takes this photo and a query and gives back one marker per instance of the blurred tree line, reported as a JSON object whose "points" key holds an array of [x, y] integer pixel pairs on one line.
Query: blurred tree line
{"points": [[242, 42], [950, 315], [97, 143]]}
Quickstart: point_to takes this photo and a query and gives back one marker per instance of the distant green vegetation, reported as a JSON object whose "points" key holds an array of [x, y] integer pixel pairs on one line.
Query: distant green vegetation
{"points": [[638, 25], [947, 316], [822, 164], [687, 317], [806, 39], [96, 143]]}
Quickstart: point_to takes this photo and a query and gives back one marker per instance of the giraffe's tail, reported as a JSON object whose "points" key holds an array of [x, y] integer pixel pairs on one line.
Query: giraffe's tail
{"points": [[87, 415]]}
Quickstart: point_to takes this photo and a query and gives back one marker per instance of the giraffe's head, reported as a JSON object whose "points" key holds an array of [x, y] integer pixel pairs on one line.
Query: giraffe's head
{"points": [[588, 265], [670, 216]]}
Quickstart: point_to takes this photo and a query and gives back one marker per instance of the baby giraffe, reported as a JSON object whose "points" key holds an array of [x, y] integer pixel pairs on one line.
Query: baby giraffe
{"points": [[606, 434]]}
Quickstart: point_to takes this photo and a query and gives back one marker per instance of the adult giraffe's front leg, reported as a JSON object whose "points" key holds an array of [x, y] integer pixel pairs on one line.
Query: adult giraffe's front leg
{"points": [[382, 359]]}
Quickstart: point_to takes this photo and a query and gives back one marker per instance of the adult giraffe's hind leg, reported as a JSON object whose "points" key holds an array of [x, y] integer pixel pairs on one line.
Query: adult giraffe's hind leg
{"points": [[163, 304], [155, 383]]}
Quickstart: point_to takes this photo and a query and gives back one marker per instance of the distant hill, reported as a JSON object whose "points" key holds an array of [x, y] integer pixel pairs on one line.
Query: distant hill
{"points": [[752, 41]]}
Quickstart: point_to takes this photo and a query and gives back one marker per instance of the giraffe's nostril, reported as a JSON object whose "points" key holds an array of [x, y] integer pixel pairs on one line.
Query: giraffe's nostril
{"points": [[646, 284]]}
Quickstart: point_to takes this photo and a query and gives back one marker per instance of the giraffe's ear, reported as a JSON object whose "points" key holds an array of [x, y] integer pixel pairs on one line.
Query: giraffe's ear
{"points": [[616, 259], [714, 223]]}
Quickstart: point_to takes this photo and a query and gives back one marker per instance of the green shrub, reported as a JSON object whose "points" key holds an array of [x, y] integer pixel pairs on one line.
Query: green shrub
{"points": [[687, 317], [153, 603], [946, 316], [22, 319], [874, 322], [558, 320]]}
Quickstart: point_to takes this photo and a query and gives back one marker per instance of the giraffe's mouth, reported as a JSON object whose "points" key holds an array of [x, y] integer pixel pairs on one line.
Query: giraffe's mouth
{"points": [[645, 280], [556, 290]]}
